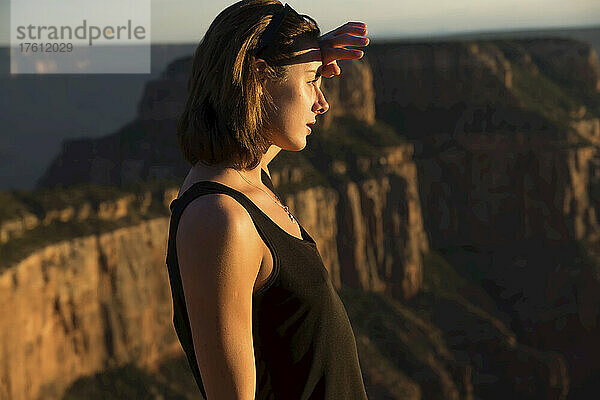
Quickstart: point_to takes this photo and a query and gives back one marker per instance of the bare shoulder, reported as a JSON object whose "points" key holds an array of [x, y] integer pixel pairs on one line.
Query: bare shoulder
{"points": [[215, 211], [216, 228]]}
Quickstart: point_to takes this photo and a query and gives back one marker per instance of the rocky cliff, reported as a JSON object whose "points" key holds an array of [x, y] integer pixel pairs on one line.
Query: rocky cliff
{"points": [[83, 305], [506, 138]]}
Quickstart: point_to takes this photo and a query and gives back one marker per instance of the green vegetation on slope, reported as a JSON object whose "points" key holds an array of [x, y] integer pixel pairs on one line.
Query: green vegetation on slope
{"points": [[10, 206], [39, 202], [348, 137], [43, 201], [172, 381], [408, 342]]}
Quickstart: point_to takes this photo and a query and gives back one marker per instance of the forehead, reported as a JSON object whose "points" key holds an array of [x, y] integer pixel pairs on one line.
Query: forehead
{"points": [[305, 69], [307, 58]]}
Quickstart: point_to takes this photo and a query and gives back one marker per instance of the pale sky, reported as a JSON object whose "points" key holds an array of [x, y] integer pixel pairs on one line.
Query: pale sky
{"points": [[187, 20]]}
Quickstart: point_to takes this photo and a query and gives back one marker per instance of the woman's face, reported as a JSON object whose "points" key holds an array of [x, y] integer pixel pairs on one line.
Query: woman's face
{"points": [[299, 100]]}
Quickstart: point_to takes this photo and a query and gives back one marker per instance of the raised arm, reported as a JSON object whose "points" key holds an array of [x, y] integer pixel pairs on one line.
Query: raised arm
{"points": [[219, 254]]}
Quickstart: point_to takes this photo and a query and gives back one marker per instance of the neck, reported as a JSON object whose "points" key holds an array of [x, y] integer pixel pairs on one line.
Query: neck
{"points": [[253, 175], [268, 157]]}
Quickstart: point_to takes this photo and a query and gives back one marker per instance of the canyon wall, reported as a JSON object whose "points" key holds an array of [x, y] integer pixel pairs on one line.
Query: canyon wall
{"points": [[506, 136], [82, 305]]}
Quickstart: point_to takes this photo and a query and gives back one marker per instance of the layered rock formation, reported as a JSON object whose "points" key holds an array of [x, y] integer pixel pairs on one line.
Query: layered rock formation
{"points": [[84, 305], [506, 136]]}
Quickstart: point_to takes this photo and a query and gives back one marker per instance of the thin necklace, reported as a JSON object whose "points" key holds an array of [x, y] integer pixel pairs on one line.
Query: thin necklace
{"points": [[278, 202]]}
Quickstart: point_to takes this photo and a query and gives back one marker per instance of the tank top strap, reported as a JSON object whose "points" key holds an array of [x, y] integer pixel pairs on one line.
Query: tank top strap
{"points": [[263, 226], [210, 187]]}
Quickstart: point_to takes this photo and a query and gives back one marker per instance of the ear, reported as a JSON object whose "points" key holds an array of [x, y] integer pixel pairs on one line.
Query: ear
{"points": [[261, 66]]}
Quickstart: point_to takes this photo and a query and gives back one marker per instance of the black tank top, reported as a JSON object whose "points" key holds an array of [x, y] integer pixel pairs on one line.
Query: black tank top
{"points": [[303, 343]]}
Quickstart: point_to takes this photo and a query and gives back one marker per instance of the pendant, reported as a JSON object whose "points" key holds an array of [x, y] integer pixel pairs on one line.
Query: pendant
{"points": [[288, 213], [287, 210]]}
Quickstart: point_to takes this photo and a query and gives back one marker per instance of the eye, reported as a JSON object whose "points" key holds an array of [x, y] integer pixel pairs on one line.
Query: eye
{"points": [[315, 80]]}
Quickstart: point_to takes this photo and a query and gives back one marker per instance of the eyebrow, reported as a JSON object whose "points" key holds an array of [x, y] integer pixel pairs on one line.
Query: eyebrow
{"points": [[317, 74]]}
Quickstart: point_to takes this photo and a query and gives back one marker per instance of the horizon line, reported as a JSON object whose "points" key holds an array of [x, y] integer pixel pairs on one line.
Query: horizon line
{"points": [[409, 35]]}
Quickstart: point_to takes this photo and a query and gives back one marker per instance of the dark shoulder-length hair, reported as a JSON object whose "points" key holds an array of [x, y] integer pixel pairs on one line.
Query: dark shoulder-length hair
{"points": [[225, 114]]}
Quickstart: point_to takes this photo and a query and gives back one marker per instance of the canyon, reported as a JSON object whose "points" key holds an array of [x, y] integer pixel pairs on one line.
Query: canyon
{"points": [[452, 190]]}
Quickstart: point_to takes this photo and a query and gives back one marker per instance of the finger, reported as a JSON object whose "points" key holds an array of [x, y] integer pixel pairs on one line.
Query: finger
{"points": [[341, 54], [336, 69], [352, 30], [331, 71], [360, 25], [358, 28], [346, 40]]}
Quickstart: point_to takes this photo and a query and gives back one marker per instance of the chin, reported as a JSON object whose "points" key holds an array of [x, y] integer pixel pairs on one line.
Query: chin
{"points": [[302, 144], [297, 148], [297, 145]]}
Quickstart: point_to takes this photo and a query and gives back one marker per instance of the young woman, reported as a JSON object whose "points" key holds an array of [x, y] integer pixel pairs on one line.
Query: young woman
{"points": [[254, 307]]}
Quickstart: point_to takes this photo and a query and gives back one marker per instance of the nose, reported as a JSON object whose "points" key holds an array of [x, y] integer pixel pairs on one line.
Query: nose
{"points": [[320, 106]]}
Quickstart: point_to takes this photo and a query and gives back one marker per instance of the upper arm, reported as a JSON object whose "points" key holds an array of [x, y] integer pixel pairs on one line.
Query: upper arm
{"points": [[219, 255]]}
